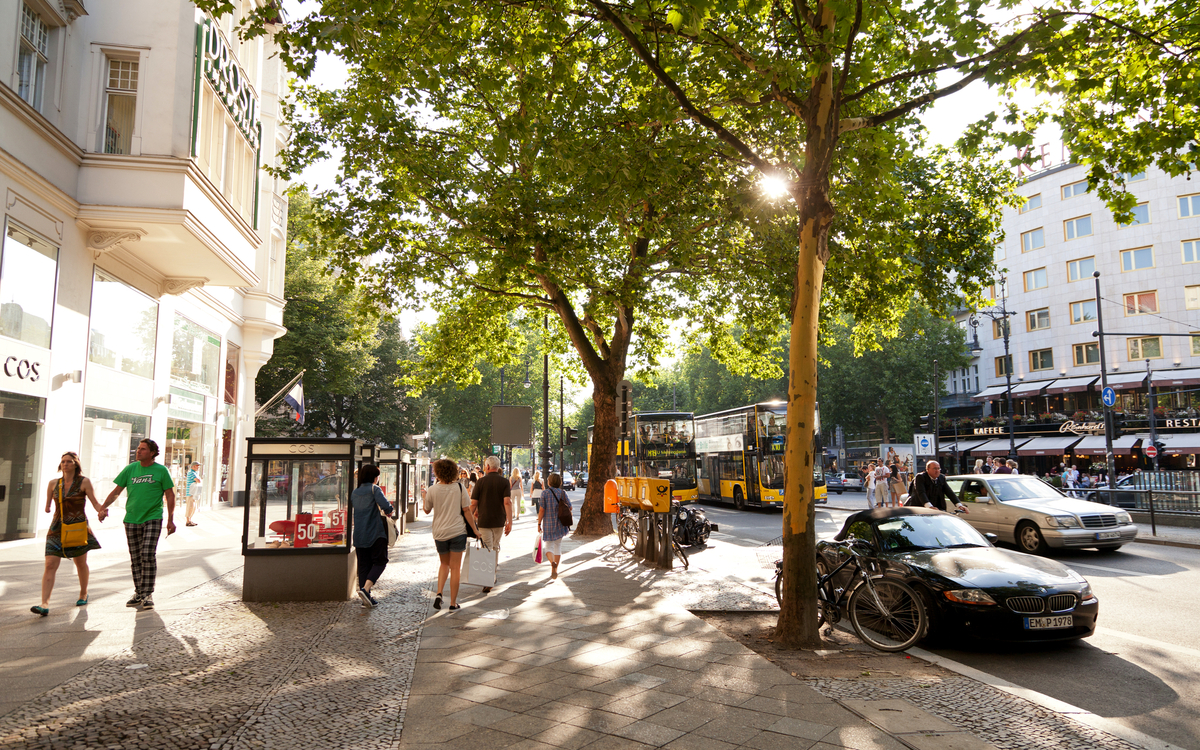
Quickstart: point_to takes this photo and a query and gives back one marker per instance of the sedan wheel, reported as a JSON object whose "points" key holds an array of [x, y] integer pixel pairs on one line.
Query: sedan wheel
{"points": [[1030, 540]]}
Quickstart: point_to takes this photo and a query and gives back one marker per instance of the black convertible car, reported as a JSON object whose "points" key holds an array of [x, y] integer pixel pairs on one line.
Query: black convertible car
{"points": [[970, 587]]}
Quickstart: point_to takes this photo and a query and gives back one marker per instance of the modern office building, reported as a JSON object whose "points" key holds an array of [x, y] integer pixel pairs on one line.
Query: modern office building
{"points": [[1149, 287], [141, 273]]}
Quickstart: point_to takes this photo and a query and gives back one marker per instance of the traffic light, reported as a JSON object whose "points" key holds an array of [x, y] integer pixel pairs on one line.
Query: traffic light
{"points": [[572, 435], [929, 422], [1161, 446]]}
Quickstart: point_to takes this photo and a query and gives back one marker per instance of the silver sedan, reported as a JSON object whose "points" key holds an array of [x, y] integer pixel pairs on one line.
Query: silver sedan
{"points": [[1031, 514]]}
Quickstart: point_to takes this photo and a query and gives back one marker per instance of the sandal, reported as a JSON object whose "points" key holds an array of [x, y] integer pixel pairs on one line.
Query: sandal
{"points": [[437, 602], [81, 602], [455, 607], [189, 523], [39, 610]]}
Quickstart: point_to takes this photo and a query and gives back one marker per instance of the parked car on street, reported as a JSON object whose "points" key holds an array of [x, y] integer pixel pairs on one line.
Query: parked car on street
{"points": [[968, 586], [833, 483], [1036, 517], [568, 481], [851, 481], [581, 479]]}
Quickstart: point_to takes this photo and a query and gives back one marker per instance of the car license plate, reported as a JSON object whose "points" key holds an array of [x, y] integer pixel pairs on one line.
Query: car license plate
{"points": [[1049, 623], [1107, 535]]}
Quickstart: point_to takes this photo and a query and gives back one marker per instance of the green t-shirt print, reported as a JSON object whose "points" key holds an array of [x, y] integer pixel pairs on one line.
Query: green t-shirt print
{"points": [[146, 486]]}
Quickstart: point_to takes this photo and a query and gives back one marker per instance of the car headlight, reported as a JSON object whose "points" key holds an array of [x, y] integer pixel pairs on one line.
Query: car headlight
{"points": [[970, 596], [1086, 594], [1123, 518], [1065, 522]]}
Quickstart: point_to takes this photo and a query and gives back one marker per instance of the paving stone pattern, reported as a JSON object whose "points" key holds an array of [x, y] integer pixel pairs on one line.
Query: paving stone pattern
{"points": [[239, 675]]}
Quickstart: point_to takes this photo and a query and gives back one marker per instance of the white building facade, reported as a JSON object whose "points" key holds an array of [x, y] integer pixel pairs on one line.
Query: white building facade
{"points": [[141, 272], [1149, 286]]}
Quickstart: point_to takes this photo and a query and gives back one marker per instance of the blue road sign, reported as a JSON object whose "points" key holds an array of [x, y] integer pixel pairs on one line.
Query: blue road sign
{"points": [[1108, 396]]}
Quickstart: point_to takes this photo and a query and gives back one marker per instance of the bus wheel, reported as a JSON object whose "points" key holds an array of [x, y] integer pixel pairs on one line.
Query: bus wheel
{"points": [[739, 501]]}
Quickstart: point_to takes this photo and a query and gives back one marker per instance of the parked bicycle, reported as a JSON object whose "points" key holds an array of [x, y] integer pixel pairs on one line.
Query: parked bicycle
{"points": [[886, 613]]}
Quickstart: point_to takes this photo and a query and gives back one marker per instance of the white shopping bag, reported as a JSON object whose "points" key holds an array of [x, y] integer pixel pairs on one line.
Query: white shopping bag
{"points": [[480, 563]]}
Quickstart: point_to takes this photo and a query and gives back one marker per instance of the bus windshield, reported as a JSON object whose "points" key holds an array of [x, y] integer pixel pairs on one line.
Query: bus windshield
{"points": [[681, 471]]}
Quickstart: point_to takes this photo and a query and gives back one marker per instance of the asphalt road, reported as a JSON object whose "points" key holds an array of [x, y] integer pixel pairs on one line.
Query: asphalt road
{"points": [[1141, 668]]}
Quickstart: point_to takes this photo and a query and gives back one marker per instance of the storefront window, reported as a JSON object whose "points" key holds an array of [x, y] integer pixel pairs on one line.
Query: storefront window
{"points": [[124, 326], [195, 356], [28, 279], [21, 420], [110, 440]]}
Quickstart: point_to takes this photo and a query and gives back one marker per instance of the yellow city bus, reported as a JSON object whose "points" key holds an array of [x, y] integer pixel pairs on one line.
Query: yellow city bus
{"points": [[664, 446], [740, 455]]}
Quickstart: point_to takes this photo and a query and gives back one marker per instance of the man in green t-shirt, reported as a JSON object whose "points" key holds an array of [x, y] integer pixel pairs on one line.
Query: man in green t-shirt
{"points": [[149, 484]]}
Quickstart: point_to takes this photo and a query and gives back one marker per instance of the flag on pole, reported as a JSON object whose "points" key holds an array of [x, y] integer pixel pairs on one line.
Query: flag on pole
{"points": [[295, 399]]}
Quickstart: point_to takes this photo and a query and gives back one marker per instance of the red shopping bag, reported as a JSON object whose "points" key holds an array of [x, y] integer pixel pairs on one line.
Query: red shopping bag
{"points": [[537, 551]]}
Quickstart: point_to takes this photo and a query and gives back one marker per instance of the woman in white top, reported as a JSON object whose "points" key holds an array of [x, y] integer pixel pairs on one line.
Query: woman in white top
{"points": [[447, 500], [516, 488]]}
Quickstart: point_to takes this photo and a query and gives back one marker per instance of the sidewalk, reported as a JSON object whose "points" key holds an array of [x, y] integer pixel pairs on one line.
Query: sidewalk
{"points": [[606, 657]]}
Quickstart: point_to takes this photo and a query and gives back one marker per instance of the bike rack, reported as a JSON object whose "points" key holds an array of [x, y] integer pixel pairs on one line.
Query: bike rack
{"points": [[652, 498]]}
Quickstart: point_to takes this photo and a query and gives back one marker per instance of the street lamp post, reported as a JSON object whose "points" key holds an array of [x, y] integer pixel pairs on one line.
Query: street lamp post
{"points": [[1003, 314]]}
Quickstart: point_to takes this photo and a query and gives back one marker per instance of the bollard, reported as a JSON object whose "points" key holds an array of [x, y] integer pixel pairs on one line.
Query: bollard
{"points": [[1153, 528]]}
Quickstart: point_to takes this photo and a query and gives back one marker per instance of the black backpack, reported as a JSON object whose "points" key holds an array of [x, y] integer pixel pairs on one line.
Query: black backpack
{"points": [[565, 518]]}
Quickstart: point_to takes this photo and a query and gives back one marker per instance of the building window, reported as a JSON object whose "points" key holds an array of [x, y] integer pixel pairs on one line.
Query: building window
{"points": [[28, 281], [1191, 297], [1042, 359], [1141, 303], [1141, 215], [1032, 240], [1078, 270], [976, 373], [1039, 319], [1086, 354], [1074, 189], [120, 104], [124, 327], [1003, 366], [1032, 202], [1196, 346], [1191, 251], [1035, 279], [1137, 259], [1189, 205], [1082, 312], [1148, 347], [32, 57], [1079, 227], [1133, 176], [999, 328], [195, 357]]}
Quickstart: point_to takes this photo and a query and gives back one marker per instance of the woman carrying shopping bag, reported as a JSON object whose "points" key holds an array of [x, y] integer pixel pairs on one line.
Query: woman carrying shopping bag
{"points": [[517, 487], [69, 535], [549, 523], [370, 531], [449, 501]]}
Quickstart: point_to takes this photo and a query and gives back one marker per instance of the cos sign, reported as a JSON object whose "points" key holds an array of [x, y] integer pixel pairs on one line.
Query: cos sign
{"points": [[22, 369]]}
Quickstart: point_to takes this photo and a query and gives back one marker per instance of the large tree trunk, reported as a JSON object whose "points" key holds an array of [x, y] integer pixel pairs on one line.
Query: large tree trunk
{"points": [[602, 464], [797, 626]]}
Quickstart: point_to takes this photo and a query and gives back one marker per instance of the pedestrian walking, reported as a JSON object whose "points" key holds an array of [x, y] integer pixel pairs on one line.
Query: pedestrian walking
{"points": [[491, 503], [535, 487], [370, 531], [68, 496], [999, 467], [1012, 466], [869, 479], [549, 525], [516, 487], [895, 480], [448, 501], [192, 490], [978, 466], [149, 485]]}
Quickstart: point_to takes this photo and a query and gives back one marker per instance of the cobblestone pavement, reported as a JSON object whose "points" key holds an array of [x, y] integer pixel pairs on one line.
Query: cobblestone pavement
{"points": [[234, 676]]}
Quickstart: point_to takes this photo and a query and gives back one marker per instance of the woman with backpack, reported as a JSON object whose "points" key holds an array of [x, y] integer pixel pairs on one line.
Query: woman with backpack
{"points": [[554, 521]]}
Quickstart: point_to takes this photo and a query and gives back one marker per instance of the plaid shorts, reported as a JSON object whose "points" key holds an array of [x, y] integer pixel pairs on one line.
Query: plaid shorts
{"points": [[143, 553]]}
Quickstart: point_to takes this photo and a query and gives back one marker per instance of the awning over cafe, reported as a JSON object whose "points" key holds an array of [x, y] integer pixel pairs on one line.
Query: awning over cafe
{"points": [[997, 447], [1173, 378], [989, 393], [962, 446], [1093, 445], [1071, 385], [1025, 390], [1123, 381], [1181, 443], [1048, 446]]}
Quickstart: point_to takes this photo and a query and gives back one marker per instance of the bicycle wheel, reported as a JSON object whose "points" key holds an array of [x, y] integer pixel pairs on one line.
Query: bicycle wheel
{"points": [[890, 619], [627, 533], [679, 553]]}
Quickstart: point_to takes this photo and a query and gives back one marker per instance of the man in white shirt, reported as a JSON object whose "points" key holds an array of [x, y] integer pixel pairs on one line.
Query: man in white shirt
{"points": [[882, 473]]}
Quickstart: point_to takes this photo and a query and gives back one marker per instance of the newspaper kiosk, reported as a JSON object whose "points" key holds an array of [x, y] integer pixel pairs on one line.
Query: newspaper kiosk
{"points": [[297, 528], [394, 471]]}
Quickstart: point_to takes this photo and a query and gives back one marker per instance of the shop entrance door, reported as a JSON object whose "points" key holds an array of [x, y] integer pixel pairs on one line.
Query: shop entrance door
{"points": [[18, 496]]}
